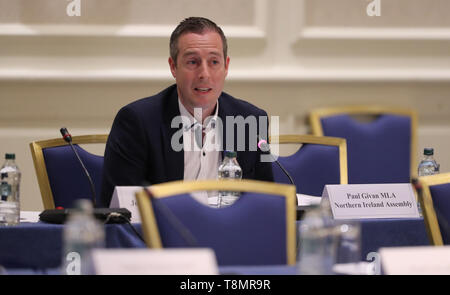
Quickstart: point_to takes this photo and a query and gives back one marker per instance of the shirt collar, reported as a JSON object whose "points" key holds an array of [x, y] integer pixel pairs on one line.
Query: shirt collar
{"points": [[210, 121]]}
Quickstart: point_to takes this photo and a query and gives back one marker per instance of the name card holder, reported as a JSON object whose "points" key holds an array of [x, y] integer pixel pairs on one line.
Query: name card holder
{"points": [[124, 197], [358, 201], [180, 261], [423, 260]]}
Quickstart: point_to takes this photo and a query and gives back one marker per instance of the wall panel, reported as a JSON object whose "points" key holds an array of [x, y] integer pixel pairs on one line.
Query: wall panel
{"points": [[287, 56]]}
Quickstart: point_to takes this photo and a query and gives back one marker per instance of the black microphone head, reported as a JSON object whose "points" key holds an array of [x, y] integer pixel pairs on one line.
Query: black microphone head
{"points": [[65, 134], [263, 145]]}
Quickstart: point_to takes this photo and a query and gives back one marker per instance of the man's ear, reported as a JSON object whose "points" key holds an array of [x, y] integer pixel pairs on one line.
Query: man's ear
{"points": [[173, 67]]}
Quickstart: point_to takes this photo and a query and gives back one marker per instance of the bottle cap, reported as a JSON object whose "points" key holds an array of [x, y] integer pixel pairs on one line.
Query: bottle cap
{"points": [[428, 151], [83, 205], [230, 154], [10, 156]]}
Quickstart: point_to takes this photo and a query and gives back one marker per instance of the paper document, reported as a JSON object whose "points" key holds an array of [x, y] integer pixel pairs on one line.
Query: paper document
{"points": [[308, 200]]}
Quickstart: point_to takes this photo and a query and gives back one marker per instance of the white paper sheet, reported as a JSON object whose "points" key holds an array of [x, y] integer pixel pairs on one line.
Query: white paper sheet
{"points": [[29, 216]]}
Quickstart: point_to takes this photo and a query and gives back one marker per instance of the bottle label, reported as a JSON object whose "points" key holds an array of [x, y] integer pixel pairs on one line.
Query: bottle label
{"points": [[5, 191]]}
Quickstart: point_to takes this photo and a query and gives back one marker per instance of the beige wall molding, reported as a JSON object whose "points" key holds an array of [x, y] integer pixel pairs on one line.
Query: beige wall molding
{"points": [[279, 74], [366, 33], [287, 57]]}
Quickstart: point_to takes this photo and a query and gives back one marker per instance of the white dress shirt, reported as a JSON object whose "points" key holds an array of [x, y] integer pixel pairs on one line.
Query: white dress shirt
{"points": [[202, 155]]}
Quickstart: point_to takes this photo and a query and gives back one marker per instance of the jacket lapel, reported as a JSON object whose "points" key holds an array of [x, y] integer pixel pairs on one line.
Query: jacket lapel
{"points": [[173, 160], [222, 113]]}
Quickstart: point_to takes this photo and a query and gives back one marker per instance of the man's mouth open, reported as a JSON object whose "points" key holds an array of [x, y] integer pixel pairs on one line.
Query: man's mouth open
{"points": [[202, 89]]}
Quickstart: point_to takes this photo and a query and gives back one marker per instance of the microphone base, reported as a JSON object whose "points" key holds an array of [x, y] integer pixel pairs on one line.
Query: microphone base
{"points": [[59, 216]]}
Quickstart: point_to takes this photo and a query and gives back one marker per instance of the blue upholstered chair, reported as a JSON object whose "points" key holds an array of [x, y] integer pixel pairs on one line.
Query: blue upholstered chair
{"points": [[60, 175], [435, 203], [380, 151], [258, 229], [319, 161]]}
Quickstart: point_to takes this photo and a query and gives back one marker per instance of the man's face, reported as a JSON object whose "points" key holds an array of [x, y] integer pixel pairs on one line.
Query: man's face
{"points": [[200, 70]]}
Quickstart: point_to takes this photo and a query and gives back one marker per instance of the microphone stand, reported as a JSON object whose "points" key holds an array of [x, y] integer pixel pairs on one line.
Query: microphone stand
{"points": [[284, 170], [108, 215], [68, 138], [265, 148]]}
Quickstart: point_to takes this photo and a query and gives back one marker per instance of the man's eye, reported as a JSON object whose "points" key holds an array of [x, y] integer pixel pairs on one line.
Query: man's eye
{"points": [[192, 62]]}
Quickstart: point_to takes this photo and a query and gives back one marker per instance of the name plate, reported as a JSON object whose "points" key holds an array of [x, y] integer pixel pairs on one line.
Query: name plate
{"points": [[357, 201], [180, 261], [124, 197]]}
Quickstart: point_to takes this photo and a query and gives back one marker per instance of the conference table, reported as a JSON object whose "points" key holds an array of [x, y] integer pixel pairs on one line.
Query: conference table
{"points": [[37, 247]]}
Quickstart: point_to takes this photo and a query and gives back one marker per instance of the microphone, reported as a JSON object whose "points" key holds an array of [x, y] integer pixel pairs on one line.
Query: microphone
{"points": [[68, 138], [107, 215], [265, 148], [66, 135], [182, 230]]}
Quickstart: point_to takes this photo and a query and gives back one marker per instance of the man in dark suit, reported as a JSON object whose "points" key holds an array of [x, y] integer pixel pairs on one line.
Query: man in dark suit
{"points": [[147, 144]]}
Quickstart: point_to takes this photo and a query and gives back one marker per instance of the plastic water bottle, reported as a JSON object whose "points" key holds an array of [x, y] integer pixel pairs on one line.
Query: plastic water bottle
{"points": [[318, 240], [428, 165], [10, 191], [230, 170], [349, 241], [327, 244], [82, 233]]}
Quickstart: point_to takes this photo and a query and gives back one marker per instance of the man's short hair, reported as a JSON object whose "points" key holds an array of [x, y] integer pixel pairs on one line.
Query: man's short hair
{"points": [[197, 25]]}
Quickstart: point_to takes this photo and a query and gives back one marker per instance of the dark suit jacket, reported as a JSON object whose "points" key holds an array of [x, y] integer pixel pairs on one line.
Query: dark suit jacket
{"points": [[138, 150]]}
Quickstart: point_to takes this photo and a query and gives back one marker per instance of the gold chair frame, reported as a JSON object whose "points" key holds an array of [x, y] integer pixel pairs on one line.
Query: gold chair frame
{"points": [[428, 211], [316, 126], [341, 143], [36, 148], [149, 225]]}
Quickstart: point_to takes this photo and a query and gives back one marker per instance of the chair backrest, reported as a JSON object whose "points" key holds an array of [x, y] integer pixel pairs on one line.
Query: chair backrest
{"points": [[381, 151], [435, 205], [319, 161], [259, 228], [59, 173]]}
